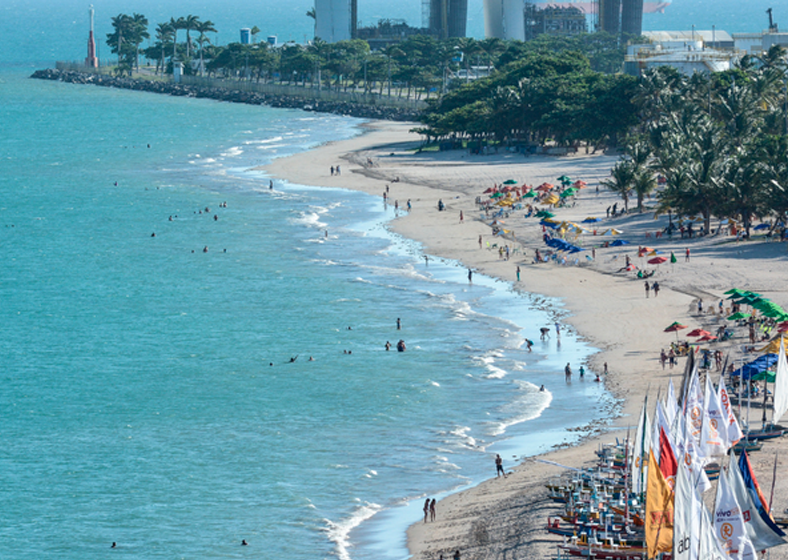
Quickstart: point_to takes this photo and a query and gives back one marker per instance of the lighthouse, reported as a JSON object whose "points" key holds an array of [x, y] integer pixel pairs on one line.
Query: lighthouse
{"points": [[91, 61]]}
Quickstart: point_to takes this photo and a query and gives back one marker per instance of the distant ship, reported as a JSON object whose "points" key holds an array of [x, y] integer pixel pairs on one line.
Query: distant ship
{"points": [[589, 7]]}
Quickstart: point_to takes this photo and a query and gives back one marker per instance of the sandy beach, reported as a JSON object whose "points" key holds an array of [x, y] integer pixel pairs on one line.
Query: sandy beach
{"points": [[505, 518]]}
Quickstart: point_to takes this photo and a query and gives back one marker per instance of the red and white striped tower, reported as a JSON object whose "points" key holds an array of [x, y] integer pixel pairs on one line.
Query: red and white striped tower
{"points": [[91, 59]]}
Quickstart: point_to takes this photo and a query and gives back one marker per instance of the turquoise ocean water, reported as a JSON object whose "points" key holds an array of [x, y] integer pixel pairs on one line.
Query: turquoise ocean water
{"points": [[137, 403]]}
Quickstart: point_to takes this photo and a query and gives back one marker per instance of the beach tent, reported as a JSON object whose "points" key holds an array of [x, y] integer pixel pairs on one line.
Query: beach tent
{"points": [[774, 346], [552, 199], [756, 367]]}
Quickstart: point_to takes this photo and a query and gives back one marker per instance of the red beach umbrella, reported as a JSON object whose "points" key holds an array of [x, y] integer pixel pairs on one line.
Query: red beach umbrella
{"points": [[676, 327], [707, 337], [657, 260], [698, 332]]}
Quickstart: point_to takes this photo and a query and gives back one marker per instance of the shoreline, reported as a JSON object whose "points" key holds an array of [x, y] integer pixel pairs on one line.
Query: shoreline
{"points": [[607, 310]]}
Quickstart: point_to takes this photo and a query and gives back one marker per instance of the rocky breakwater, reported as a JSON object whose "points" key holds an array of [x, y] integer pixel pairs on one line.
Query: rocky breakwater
{"points": [[359, 110]]}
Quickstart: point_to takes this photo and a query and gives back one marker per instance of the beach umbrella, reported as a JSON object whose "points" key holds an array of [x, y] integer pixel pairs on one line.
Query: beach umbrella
{"points": [[497, 195], [580, 184], [565, 179], [510, 182], [552, 199], [737, 316], [675, 327], [761, 226], [529, 194], [707, 337], [544, 187], [672, 258], [568, 192], [544, 214], [619, 243], [631, 267], [591, 220], [733, 291], [657, 260], [488, 191], [698, 332]]}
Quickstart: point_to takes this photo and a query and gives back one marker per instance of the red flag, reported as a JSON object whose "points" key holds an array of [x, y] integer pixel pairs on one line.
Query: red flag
{"points": [[667, 459]]}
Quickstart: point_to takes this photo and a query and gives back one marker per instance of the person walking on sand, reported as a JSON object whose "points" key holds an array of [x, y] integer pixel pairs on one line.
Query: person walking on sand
{"points": [[648, 287], [426, 509], [498, 469], [461, 217], [700, 307], [605, 368], [655, 288], [480, 242], [687, 255], [518, 273], [432, 510]]}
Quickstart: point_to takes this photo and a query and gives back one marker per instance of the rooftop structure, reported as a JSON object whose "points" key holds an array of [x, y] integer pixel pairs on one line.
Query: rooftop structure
{"points": [[688, 51]]}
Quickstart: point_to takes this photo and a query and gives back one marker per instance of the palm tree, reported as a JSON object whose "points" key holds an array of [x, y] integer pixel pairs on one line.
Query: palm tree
{"points": [[189, 22], [622, 181], [204, 27], [175, 25], [164, 34]]}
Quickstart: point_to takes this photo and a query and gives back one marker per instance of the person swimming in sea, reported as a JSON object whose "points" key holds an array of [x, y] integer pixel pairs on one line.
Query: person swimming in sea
{"points": [[401, 346]]}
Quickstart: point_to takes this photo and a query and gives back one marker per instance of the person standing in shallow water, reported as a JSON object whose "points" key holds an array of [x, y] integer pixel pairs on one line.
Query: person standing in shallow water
{"points": [[426, 509], [432, 510], [499, 467]]}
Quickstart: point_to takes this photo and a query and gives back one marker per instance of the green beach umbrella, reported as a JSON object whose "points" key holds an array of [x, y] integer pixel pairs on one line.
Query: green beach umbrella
{"points": [[564, 179], [529, 194], [733, 291], [568, 192], [673, 258], [545, 214], [510, 182], [738, 315], [497, 195]]}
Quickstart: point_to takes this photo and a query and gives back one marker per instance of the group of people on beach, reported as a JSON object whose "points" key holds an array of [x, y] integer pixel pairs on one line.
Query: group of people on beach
{"points": [[429, 510]]}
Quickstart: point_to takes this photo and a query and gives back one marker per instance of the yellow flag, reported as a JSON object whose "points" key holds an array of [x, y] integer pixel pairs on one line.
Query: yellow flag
{"points": [[659, 511]]}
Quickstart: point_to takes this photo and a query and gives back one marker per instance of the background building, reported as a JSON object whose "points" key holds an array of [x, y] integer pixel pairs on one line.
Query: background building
{"points": [[554, 20], [446, 18], [335, 20], [504, 19]]}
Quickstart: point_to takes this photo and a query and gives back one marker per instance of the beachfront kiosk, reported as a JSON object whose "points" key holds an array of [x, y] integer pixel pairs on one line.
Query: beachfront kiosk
{"points": [[177, 72]]}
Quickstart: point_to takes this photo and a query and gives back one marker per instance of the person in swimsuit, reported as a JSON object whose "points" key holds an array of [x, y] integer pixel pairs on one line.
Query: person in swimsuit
{"points": [[499, 467]]}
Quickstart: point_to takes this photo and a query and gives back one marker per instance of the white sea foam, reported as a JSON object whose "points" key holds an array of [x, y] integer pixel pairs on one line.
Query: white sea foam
{"points": [[234, 151], [529, 404], [339, 533]]}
